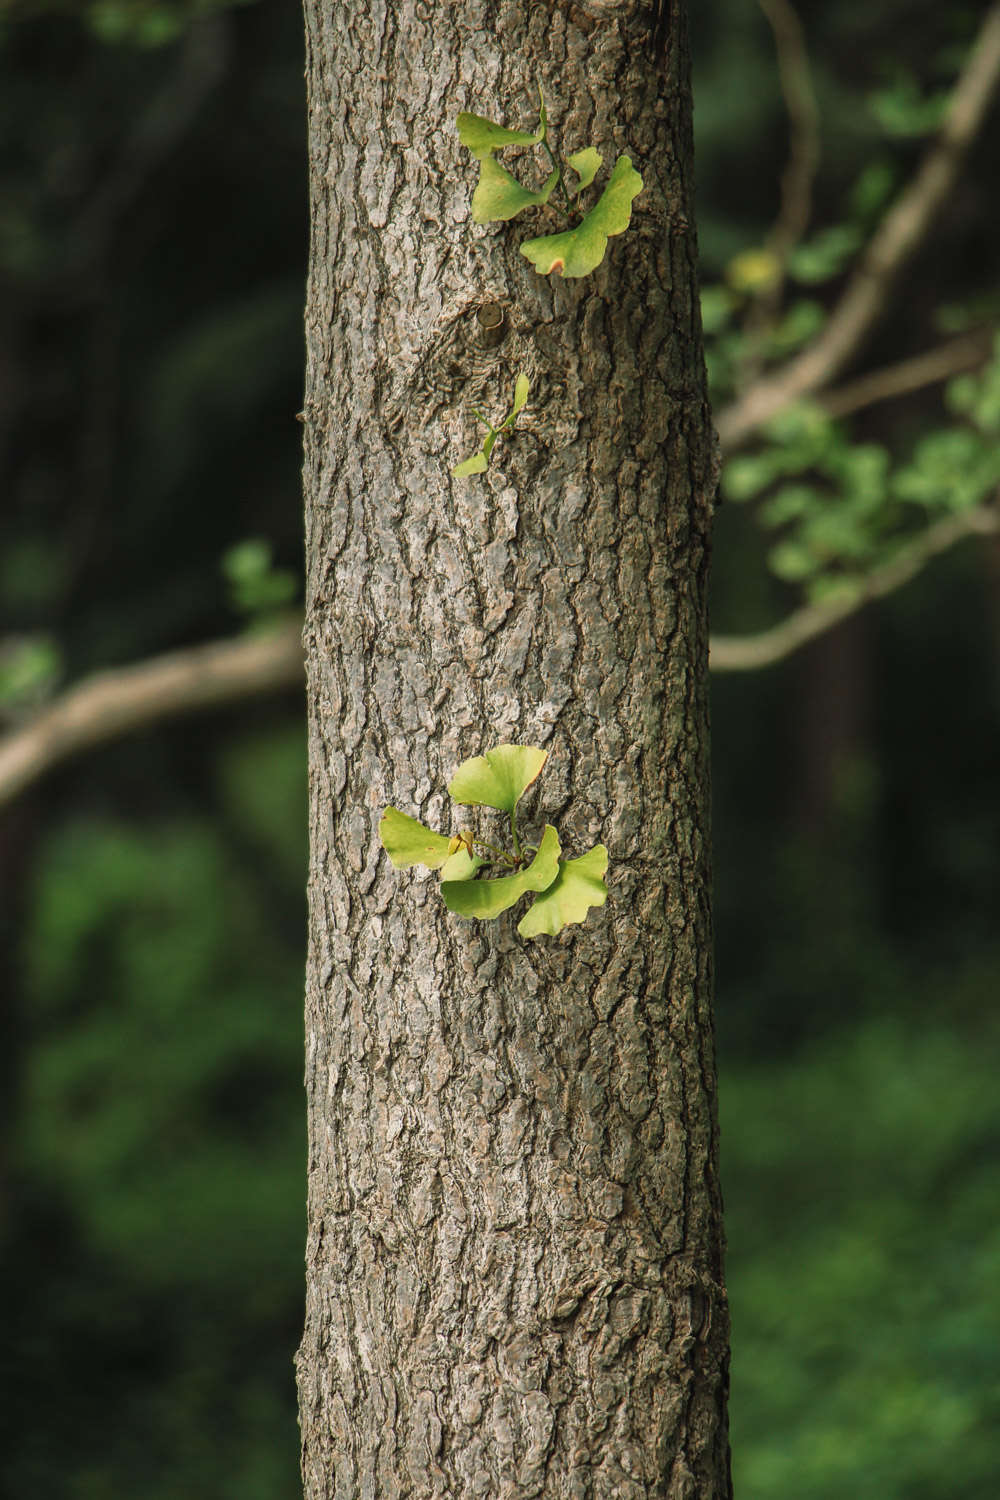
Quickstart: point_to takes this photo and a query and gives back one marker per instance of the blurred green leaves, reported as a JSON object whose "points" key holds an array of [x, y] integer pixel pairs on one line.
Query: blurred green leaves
{"points": [[845, 507], [148, 23], [256, 586], [864, 1266], [30, 666], [159, 1147]]}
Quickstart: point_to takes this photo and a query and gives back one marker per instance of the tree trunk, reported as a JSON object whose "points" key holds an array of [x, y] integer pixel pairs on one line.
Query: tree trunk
{"points": [[515, 1245]]}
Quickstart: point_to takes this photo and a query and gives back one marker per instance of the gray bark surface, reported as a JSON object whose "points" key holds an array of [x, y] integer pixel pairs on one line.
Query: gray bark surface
{"points": [[515, 1243]]}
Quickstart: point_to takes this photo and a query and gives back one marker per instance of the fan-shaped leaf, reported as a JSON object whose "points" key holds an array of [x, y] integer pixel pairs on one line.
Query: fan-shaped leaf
{"points": [[408, 842], [499, 195], [461, 865], [576, 252], [578, 886], [586, 164], [488, 898], [498, 778], [483, 136], [474, 465]]}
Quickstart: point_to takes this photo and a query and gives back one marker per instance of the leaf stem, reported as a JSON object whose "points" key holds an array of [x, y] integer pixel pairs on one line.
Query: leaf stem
{"points": [[562, 175], [500, 853]]}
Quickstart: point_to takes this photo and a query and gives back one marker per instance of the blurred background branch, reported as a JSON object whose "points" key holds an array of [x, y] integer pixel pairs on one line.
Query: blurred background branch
{"points": [[133, 698], [894, 242], [750, 653], [968, 352]]}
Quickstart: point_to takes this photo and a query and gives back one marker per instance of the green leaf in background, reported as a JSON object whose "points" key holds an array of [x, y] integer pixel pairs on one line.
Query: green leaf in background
{"points": [[977, 396], [792, 561], [141, 25], [826, 254], [753, 271], [873, 188], [499, 195], [485, 899], [498, 779], [578, 886], [586, 164], [256, 586], [577, 252], [408, 842], [30, 666], [903, 110]]}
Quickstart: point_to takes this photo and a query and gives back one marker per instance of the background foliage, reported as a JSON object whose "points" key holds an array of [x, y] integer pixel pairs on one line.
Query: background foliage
{"points": [[152, 246]]}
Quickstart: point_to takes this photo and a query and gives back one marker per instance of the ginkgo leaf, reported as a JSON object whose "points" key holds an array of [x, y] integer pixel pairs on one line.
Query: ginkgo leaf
{"points": [[480, 461], [578, 886], [521, 388], [586, 164], [408, 842], [498, 778], [483, 136], [461, 865], [488, 898], [499, 195], [474, 465], [576, 252]]}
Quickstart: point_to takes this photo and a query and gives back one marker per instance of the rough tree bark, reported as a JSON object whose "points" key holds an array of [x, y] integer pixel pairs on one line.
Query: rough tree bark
{"points": [[515, 1245]]}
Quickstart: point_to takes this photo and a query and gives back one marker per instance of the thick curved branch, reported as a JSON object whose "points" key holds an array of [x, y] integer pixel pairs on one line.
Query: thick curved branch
{"points": [[117, 702], [748, 653], [894, 242], [965, 353]]}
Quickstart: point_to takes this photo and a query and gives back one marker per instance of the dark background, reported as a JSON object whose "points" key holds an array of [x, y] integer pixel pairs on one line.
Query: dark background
{"points": [[153, 237]]}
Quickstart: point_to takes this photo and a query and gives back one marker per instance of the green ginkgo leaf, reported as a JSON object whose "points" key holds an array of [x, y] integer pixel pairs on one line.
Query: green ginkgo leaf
{"points": [[461, 865], [480, 461], [586, 164], [521, 388], [578, 886], [488, 898], [498, 778], [408, 842], [483, 136], [499, 195], [576, 252], [474, 465]]}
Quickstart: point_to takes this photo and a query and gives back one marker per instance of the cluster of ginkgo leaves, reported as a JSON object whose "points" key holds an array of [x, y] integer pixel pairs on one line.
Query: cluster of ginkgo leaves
{"points": [[499, 196], [480, 880]]}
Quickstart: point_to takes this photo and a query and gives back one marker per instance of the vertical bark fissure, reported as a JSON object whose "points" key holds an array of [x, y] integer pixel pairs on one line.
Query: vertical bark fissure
{"points": [[514, 1260]]}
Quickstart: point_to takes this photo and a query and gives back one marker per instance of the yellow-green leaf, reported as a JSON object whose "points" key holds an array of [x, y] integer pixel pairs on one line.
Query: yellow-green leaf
{"points": [[499, 195], [578, 886], [408, 842], [483, 136], [485, 899], [586, 164], [474, 465], [498, 778], [576, 252], [461, 865]]}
